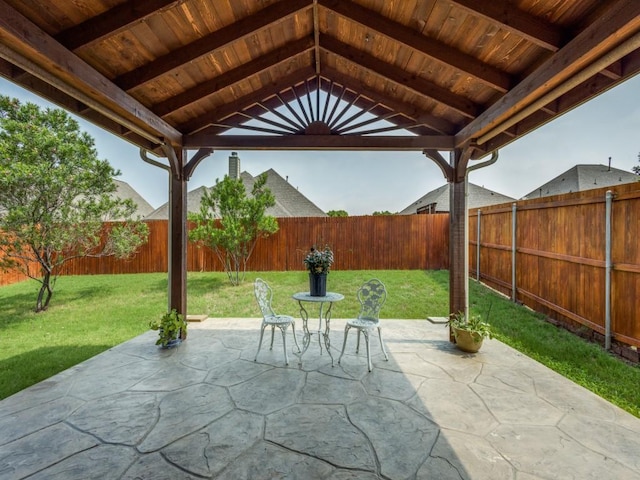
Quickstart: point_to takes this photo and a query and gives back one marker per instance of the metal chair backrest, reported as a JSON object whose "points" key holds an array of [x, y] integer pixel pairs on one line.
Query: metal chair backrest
{"points": [[263, 294], [371, 296]]}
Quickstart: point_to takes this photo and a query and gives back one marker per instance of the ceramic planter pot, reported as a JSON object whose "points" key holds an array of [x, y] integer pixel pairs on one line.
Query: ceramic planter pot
{"points": [[466, 341]]}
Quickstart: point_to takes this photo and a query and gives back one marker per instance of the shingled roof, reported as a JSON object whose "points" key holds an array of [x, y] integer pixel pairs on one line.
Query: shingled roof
{"points": [[126, 191], [290, 202], [583, 177], [437, 201]]}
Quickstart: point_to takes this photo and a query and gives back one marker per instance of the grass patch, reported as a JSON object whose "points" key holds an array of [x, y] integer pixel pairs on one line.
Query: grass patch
{"points": [[90, 314], [585, 363]]}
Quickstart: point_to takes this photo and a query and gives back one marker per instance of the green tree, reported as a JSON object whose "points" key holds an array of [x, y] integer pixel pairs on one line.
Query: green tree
{"points": [[636, 168], [337, 213], [54, 196], [384, 212], [230, 222]]}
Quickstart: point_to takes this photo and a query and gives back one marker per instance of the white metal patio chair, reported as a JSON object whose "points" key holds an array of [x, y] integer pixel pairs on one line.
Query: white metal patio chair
{"points": [[371, 296], [264, 294]]}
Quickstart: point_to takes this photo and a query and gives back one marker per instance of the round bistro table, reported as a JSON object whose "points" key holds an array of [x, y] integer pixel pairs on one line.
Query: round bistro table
{"points": [[324, 314]]}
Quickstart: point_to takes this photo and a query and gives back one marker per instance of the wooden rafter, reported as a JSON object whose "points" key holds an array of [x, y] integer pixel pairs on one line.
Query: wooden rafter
{"points": [[521, 23], [585, 48], [111, 22], [109, 99], [413, 40], [269, 16], [231, 77], [395, 74]]}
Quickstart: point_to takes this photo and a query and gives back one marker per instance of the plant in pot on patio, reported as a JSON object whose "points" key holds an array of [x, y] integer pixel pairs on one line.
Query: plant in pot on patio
{"points": [[469, 332], [318, 263], [169, 328]]}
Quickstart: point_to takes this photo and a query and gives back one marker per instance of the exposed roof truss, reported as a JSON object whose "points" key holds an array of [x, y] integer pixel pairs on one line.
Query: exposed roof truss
{"points": [[450, 73]]}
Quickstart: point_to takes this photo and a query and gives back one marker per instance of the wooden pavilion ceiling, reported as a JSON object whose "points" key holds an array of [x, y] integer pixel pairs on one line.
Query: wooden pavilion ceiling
{"points": [[318, 73]]}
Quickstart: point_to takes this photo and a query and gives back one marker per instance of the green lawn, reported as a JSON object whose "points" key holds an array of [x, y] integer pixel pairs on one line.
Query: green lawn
{"points": [[90, 314]]}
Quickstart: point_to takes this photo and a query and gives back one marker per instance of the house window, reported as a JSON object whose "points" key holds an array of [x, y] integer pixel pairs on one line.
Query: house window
{"points": [[426, 209]]}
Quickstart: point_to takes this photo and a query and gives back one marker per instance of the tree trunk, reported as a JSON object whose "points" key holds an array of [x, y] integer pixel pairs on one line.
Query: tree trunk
{"points": [[45, 293]]}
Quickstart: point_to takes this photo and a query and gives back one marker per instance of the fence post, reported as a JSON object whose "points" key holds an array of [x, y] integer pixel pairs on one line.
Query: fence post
{"points": [[513, 252], [608, 265], [478, 249]]}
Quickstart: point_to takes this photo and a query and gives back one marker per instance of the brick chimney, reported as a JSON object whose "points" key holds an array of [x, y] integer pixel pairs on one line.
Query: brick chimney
{"points": [[234, 165]]}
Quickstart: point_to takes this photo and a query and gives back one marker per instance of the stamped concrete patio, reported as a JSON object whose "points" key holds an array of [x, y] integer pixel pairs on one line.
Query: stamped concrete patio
{"points": [[207, 410]]}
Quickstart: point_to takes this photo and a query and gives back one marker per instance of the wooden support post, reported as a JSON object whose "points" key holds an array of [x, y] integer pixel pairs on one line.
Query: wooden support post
{"points": [[178, 237], [458, 225], [457, 246]]}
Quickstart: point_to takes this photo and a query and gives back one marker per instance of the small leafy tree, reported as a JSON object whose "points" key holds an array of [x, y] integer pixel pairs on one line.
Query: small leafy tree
{"points": [[383, 212], [54, 196], [337, 213], [230, 222], [636, 168]]}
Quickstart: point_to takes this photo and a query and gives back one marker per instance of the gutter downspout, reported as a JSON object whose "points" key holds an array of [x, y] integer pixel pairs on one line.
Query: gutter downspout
{"points": [[150, 161], [491, 161]]}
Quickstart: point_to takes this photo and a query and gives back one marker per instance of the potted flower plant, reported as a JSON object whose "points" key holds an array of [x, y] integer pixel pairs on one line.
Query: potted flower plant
{"points": [[169, 327], [318, 263], [469, 332]]}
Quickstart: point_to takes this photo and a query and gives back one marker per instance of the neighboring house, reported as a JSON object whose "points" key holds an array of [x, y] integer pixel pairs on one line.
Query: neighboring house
{"points": [[289, 201], [437, 201], [583, 177], [125, 191]]}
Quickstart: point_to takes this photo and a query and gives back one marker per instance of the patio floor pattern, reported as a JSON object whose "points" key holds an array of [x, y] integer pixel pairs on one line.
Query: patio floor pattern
{"points": [[206, 410]]}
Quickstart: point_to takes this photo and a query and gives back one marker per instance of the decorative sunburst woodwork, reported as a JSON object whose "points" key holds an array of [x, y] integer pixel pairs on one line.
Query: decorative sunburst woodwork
{"points": [[319, 107]]}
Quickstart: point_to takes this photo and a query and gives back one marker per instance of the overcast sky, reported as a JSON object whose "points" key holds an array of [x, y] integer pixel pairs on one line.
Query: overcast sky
{"points": [[364, 182]]}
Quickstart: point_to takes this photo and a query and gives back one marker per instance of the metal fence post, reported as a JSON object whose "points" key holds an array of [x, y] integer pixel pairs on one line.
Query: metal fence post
{"points": [[478, 249], [513, 252], [608, 265]]}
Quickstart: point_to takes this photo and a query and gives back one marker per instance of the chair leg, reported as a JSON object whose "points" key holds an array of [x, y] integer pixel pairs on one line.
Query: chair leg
{"points": [[283, 329], [260, 342], [272, 330], [358, 344], [386, 357], [367, 341], [344, 343], [295, 339]]}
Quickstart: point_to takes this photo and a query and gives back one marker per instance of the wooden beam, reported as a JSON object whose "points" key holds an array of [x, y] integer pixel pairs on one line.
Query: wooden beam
{"points": [[227, 79], [399, 76], [606, 33], [50, 61], [447, 170], [228, 109], [49, 92], [191, 165], [510, 18], [273, 14], [419, 43], [318, 142], [111, 22]]}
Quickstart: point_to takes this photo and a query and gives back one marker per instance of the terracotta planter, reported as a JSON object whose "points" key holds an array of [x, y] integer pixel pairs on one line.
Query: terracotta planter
{"points": [[466, 341]]}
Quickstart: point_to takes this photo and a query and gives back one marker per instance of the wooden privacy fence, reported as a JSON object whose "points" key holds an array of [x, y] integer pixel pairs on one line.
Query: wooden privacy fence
{"points": [[385, 242], [552, 255]]}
